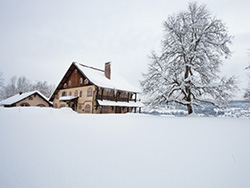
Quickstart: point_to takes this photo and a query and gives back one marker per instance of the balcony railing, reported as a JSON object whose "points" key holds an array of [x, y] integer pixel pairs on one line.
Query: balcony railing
{"points": [[111, 98]]}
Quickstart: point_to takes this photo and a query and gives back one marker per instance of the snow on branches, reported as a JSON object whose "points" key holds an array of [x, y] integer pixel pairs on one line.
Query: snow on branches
{"points": [[247, 90], [187, 70]]}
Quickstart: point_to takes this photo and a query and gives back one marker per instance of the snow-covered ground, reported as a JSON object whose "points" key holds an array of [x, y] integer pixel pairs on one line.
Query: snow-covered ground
{"points": [[236, 109], [42, 147]]}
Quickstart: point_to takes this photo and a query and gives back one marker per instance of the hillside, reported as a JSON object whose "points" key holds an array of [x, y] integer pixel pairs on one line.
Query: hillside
{"points": [[51, 148]]}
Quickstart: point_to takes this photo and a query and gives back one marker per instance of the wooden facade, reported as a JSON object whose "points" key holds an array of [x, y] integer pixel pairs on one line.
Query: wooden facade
{"points": [[79, 92]]}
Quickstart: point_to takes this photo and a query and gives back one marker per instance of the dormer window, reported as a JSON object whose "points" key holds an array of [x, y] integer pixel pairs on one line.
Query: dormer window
{"points": [[86, 81], [81, 81]]}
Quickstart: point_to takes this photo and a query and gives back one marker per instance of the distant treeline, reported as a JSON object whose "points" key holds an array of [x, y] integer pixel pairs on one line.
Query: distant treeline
{"points": [[22, 84]]}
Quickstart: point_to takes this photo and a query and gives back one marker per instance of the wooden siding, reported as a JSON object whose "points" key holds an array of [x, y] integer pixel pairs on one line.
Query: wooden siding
{"points": [[73, 77]]}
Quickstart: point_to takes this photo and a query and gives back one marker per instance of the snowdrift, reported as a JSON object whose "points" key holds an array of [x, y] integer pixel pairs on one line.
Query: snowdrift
{"points": [[44, 147]]}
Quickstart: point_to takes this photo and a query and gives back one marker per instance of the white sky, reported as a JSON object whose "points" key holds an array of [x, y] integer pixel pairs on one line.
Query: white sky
{"points": [[41, 38]]}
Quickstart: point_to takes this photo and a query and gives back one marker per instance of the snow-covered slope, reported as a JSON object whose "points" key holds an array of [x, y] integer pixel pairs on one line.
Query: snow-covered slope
{"points": [[42, 147]]}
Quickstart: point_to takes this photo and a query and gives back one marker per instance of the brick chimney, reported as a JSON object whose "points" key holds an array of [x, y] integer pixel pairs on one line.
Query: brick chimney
{"points": [[107, 70]]}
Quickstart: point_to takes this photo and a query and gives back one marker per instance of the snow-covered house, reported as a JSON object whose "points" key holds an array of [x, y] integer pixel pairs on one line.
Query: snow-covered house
{"points": [[87, 89], [33, 98]]}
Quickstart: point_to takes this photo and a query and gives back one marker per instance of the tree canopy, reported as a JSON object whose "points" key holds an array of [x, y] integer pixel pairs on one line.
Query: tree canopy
{"points": [[187, 70]]}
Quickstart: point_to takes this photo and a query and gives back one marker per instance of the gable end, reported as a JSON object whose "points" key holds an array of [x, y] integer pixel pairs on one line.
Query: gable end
{"points": [[71, 79]]}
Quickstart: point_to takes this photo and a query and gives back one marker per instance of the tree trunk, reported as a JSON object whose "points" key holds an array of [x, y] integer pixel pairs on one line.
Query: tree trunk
{"points": [[188, 92], [190, 109]]}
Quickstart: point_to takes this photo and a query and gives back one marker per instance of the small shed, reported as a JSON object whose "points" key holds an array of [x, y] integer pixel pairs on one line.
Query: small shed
{"points": [[33, 98]]}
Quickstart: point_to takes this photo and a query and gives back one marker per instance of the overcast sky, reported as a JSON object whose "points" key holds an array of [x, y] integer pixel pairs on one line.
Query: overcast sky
{"points": [[39, 39]]}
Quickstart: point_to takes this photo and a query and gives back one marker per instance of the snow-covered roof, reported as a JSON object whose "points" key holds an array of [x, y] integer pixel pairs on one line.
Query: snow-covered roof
{"points": [[20, 96], [98, 78], [67, 98], [119, 103]]}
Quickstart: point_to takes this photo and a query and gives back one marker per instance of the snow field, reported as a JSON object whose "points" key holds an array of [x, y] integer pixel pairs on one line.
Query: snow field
{"points": [[44, 147]]}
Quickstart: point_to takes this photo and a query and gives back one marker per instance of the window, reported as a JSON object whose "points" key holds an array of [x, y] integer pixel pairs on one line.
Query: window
{"points": [[80, 93], [64, 85], [125, 110], [89, 92], [123, 95], [87, 108], [75, 71], [62, 105], [110, 93], [76, 93], [70, 83], [24, 104], [57, 96], [70, 93], [64, 93], [55, 105], [41, 105], [105, 109], [30, 98], [81, 81], [86, 81], [80, 106]]}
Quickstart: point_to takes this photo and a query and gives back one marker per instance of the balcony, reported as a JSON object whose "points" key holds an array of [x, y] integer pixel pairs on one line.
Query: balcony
{"points": [[111, 98]]}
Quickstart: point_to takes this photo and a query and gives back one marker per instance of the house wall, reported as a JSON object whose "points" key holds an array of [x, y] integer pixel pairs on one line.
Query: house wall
{"points": [[83, 101], [33, 100]]}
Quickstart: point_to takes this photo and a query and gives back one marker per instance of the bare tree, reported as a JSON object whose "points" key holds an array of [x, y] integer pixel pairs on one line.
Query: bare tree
{"points": [[22, 84], [187, 70], [247, 90], [1, 85], [44, 88], [17, 85], [10, 89], [1, 80]]}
